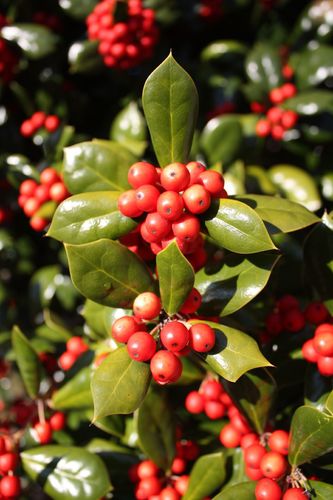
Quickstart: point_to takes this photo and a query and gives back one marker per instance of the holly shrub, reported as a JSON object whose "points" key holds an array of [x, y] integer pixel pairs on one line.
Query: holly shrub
{"points": [[166, 249]]}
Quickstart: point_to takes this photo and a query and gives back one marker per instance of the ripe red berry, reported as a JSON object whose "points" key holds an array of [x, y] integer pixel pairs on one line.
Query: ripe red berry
{"points": [[38, 119], [279, 441], [178, 465], [289, 119], [202, 337], [27, 128], [147, 468], [38, 223], [288, 90], [316, 313], [276, 96], [149, 486], [254, 474], [253, 455], [274, 323], [142, 173], [141, 346], [43, 432], [267, 489], [273, 465], [147, 305], [293, 320], [181, 484], [212, 181], [287, 302], [58, 192], [67, 360], [124, 327], [195, 168], [175, 177], [170, 205], [8, 462], [295, 494], [146, 197], [212, 390], [325, 366], [186, 228], [277, 132], [31, 206], [157, 225], [323, 343], [10, 486], [127, 204], [76, 345], [42, 193], [230, 437], [28, 187], [58, 421], [214, 409], [165, 367], [49, 176], [174, 336], [192, 303], [325, 327], [194, 402], [240, 423], [309, 352], [51, 123], [263, 128], [169, 493], [249, 439], [274, 114], [196, 199]]}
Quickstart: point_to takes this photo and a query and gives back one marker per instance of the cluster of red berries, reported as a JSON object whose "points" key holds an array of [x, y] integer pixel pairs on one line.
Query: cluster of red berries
{"points": [[127, 43], [174, 336], [288, 316], [277, 120], [211, 10], [151, 483], [210, 399], [43, 430], [8, 60], [38, 121], [319, 349], [10, 486], [32, 195], [75, 347], [172, 198]]}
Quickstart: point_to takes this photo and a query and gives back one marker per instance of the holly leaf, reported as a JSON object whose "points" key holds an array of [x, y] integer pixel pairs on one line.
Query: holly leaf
{"points": [[170, 104], [27, 361], [234, 352], [279, 214], [322, 491], [316, 388], [129, 129], [329, 403], [310, 102], [314, 66], [156, 415], [254, 394], [207, 474], [221, 139], [34, 40], [108, 273], [239, 280], [241, 491], [311, 435], [89, 217], [75, 393], [78, 9], [176, 278], [83, 57], [119, 384], [263, 66], [96, 166], [67, 472], [238, 228]]}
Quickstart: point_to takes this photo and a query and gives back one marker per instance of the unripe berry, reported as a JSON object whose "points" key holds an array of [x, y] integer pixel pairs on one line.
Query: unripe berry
{"points": [[141, 346], [196, 199], [142, 173], [174, 336], [202, 338], [123, 328], [147, 305], [165, 367], [175, 177]]}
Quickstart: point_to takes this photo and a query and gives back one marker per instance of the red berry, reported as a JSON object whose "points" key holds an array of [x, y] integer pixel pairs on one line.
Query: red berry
{"points": [[178, 465], [194, 402], [127, 204], [276, 96], [323, 343], [295, 494], [10, 486], [263, 128], [230, 437], [147, 468], [174, 336], [124, 327], [165, 367], [253, 455], [288, 90], [58, 192], [240, 423], [149, 486], [274, 114], [289, 119], [287, 71], [277, 132], [147, 305], [170, 205], [195, 168], [186, 228], [141, 346], [279, 441], [202, 337], [316, 313], [212, 390], [27, 128], [287, 302], [43, 432], [58, 421], [324, 328], [325, 366], [175, 177], [273, 465], [294, 321], [181, 484], [38, 119], [157, 225], [49, 176], [267, 489], [8, 462], [196, 199], [142, 173], [146, 198], [212, 181], [51, 123], [67, 360], [254, 474], [38, 223], [28, 187], [248, 440], [76, 345], [31, 206], [42, 193], [192, 303], [169, 493], [309, 352], [214, 409]]}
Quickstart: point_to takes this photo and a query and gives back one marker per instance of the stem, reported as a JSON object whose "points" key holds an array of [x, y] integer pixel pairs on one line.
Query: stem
{"points": [[41, 411]]}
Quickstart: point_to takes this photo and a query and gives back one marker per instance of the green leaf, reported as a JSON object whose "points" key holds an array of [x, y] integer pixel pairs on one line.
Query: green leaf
{"points": [[207, 474], [254, 394], [119, 384], [176, 278], [78, 9], [28, 362], [113, 424], [238, 228], [170, 103], [314, 66], [34, 40], [93, 314], [43, 284], [239, 280], [83, 57], [67, 472], [281, 215], [108, 273], [157, 430], [263, 66], [317, 388], [221, 139], [129, 129], [329, 403], [310, 102], [241, 491], [322, 491], [89, 217], [224, 51], [311, 435], [95, 166], [234, 353], [74, 394], [296, 185]]}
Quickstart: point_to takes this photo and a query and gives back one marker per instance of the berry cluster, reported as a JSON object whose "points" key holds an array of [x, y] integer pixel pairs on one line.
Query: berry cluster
{"points": [[151, 482], [175, 337], [127, 43], [319, 349], [43, 430], [75, 347], [277, 120], [38, 121], [211, 10], [172, 198], [8, 60], [10, 486], [33, 195], [210, 399]]}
